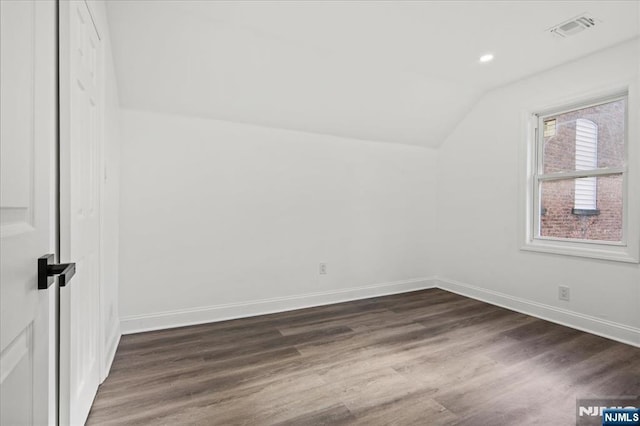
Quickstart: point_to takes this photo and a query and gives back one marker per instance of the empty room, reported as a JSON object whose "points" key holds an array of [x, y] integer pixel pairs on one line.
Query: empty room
{"points": [[319, 212]]}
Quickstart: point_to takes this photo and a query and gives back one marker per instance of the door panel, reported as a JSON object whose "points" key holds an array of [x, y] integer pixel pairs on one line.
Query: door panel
{"points": [[81, 92], [27, 198]]}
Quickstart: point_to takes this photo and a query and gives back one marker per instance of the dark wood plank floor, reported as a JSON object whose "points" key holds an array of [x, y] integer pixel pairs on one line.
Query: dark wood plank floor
{"points": [[427, 357]]}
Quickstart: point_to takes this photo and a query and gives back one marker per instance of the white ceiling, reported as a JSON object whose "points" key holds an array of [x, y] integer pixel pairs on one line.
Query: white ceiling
{"points": [[393, 71]]}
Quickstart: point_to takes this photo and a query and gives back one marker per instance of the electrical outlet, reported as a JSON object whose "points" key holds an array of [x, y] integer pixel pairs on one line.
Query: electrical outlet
{"points": [[564, 293], [323, 269]]}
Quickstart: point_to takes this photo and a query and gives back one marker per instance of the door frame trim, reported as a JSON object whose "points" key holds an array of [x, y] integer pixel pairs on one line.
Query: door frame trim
{"points": [[63, 183]]}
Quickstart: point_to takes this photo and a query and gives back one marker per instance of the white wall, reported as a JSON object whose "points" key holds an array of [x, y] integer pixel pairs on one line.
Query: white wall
{"points": [[479, 170], [220, 219]]}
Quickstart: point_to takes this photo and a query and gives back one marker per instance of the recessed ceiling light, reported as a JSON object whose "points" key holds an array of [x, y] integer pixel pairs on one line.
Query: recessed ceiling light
{"points": [[486, 58]]}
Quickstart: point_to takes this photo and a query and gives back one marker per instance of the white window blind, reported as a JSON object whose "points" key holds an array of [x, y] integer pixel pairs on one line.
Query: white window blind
{"points": [[586, 159]]}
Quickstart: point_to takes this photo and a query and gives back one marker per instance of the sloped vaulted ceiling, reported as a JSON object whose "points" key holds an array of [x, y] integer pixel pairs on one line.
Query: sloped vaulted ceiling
{"points": [[403, 72]]}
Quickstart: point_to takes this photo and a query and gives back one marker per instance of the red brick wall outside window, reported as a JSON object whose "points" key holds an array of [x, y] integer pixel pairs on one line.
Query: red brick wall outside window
{"points": [[558, 218]]}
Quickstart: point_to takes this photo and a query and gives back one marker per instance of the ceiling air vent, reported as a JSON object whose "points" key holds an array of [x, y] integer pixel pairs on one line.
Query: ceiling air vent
{"points": [[573, 26]]}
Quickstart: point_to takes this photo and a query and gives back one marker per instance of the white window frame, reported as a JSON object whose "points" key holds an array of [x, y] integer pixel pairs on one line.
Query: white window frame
{"points": [[627, 250]]}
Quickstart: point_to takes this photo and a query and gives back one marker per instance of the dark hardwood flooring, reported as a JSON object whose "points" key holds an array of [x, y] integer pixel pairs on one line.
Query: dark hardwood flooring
{"points": [[425, 358]]}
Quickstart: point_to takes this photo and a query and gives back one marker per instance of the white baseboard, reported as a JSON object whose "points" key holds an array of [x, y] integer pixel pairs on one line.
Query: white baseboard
{"points": [[206, 314], [112, 346], [179, 318], [609, 329]]}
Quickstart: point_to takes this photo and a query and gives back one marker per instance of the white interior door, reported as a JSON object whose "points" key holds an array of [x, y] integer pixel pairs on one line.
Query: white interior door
{"points": [[81, 82], [27, 211]]}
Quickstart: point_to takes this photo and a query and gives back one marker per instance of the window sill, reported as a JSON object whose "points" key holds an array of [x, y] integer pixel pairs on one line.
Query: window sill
{"points": [[585, 212], [610, 252]]}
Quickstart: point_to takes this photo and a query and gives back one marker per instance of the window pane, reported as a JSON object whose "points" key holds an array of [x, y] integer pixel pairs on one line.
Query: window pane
{"points": [[585, 139], [561, 216]]}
